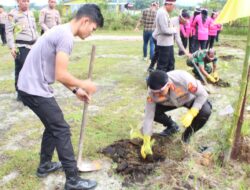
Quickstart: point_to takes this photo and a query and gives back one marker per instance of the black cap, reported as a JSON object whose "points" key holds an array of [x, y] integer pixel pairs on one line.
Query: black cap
{"points": [[185, 14], [157, 79], [204, 12]]}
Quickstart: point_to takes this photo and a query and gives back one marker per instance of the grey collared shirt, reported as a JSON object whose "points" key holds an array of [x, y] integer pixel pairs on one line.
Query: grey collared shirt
{"points": [[21, 26], [185, 89], [49, 18], [164, 31]]}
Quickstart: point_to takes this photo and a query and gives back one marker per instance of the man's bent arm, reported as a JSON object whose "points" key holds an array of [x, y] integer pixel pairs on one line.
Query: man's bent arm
{"points": [[62, 75]]}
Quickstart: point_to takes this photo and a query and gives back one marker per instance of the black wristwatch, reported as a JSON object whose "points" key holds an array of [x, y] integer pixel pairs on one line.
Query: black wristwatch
{"points": [[75, 90]]}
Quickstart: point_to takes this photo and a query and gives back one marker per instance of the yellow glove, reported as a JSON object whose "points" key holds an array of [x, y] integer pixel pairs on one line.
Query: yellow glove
{"points": [[216, 76], [211, 78], [135, 133], [187, 119], [147, 146]]}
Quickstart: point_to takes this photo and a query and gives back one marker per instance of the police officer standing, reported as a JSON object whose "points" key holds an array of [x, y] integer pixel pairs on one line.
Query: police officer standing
{"points": [[164, 33], [21, 33], [49, 17], [3, 19]]}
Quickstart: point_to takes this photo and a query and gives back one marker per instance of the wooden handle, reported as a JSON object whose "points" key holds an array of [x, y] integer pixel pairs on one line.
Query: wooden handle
{"points": [[85, 109]]}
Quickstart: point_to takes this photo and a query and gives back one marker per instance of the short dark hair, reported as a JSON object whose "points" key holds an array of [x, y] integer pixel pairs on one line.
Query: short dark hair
{"points": [[157, 79], [1, 6], [93, 12]]}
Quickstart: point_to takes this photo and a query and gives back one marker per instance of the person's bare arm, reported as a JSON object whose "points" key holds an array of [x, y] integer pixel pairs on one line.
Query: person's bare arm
{"points": [[63, 76]]}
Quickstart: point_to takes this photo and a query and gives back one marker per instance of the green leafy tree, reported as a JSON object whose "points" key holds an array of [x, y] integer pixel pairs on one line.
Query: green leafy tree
{"points": [[141, 4], [213, 4]]}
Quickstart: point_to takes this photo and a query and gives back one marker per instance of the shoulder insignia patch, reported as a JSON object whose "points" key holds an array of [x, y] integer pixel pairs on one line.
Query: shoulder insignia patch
{"points": [[149, 99], [192, 88]]}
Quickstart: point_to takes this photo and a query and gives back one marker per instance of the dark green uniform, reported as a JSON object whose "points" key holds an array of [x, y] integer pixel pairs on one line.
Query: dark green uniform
{"points": [[199, 58]]}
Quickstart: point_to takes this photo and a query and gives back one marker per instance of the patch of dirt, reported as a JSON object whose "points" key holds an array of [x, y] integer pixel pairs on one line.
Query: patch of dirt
{"points": [[227, 57], [9, 177], [245, 149], [222, 83], [130, 164], [104, 178]]}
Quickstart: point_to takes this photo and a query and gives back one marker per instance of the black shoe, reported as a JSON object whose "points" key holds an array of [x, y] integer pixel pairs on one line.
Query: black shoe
{"points": [[150, 69], [170, 131], [47, 168], [78, 183]]}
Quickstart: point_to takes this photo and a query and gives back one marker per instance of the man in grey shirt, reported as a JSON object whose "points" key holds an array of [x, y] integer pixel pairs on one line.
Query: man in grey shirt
{"points": [[48, 61]]}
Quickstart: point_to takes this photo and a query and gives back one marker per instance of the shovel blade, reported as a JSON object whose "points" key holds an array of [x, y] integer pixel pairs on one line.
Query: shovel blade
{"points": [[89, 166]]}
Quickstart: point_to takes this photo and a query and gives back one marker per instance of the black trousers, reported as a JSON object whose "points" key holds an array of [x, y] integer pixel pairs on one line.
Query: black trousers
{"points": [[57, 132], [3, 33], [203, 44], [210, 42], [198, 122], [184, 42], [155, 57], [193, 44], [42, 32], [166, 61], [217, 37], [19, 61]]}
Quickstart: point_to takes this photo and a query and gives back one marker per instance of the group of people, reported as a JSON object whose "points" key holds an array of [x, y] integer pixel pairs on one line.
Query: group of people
{"points": [[40, 61], [168, 88], [196, 32], [19, 31]]}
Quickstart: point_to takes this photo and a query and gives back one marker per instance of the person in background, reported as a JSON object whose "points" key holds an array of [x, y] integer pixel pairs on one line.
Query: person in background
{"points": [[203, 58], [202, 22], [193, 37], [49, 17], [3, 20], [164, 35], [21, 34], [219, 29], [184, 30], [212, 31], [175, 22], [147, 20]]}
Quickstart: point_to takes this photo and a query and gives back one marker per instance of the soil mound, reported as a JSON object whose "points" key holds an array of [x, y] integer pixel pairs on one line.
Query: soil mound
{"points": [[245, 149], [227, 57], [222, 83], [126, 153]]}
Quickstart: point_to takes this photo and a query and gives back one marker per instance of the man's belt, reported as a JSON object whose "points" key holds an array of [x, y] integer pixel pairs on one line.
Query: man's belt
{"points": [[25, 42]]}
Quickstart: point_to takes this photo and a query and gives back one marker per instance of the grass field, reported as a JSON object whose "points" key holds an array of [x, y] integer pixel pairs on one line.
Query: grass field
{"points": [[120, 74]]}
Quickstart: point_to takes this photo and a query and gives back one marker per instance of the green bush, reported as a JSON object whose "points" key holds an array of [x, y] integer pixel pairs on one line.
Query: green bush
{"points": [[119, 21], [238, 27]]}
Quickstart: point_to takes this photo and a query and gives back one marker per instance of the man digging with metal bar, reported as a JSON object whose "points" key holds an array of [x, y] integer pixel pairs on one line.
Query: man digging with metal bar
{"points": [[169, 91], [203, 59], [46, 62]]}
